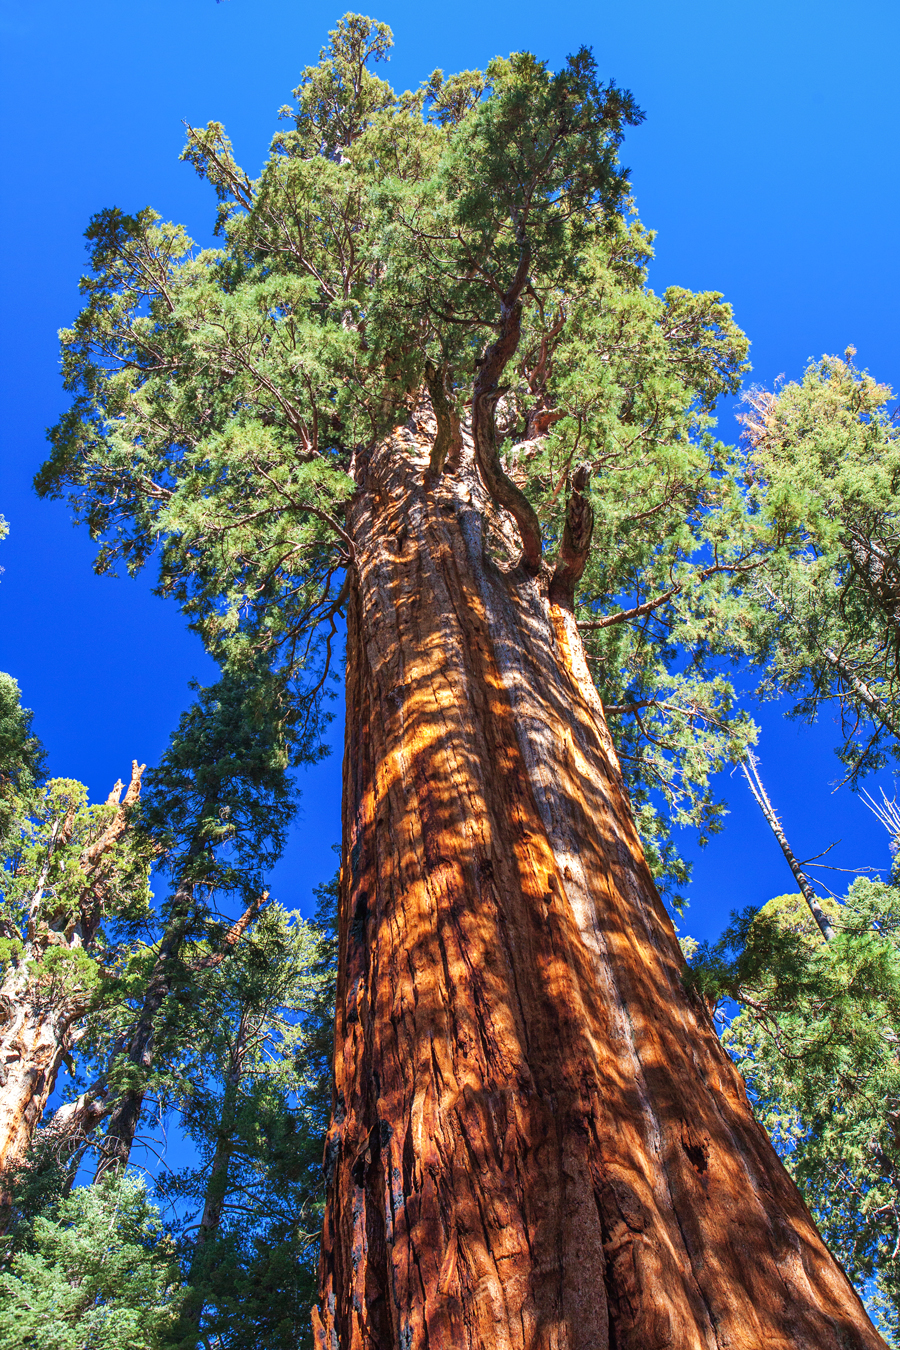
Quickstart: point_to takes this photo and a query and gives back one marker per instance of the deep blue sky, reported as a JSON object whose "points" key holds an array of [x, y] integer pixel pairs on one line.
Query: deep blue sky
{"points": [[768, 163]]}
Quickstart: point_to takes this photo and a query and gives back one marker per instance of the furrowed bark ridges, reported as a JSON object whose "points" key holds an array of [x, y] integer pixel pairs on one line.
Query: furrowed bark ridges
{"points": [[538, 1140]]}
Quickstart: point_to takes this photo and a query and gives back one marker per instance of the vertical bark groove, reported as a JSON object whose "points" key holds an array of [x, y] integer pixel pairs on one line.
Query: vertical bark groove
{"points": [[538, 1142]]}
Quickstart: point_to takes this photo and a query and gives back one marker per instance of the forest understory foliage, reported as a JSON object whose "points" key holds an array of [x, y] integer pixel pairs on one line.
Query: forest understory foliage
{"points": [[423, 374]]}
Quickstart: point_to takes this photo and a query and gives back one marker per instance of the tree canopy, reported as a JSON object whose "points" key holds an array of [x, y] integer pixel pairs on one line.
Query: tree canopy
{"points": [[473, 236]]}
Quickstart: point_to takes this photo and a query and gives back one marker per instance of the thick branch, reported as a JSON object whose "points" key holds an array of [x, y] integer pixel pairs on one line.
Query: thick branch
{"points": [[576, 542], [233, 935], [485, 395], [448, 441], [648, 606], [69, 1126]]}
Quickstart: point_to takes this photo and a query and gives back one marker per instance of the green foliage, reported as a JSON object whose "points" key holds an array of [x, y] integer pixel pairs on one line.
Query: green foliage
{"points": [[219, 803], [21, 756], [44, 878], [823, 613], [222, 398], [215, 814], [253, 1110], [72, 896], [658, 581], [244, 1058], [74, 903], [96, 1273], [816, 1039]]}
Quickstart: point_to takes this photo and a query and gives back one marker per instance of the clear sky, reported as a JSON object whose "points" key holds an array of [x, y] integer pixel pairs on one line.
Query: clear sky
{"points": [[768, 164]]}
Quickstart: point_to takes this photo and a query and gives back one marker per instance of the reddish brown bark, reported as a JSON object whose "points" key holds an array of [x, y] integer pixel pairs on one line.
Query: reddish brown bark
{"points": [[537, 1140]]}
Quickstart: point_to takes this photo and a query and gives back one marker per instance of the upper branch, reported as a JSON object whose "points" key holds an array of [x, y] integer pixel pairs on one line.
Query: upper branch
{"points": [[485, 394], [576, 542], [648, 606]]}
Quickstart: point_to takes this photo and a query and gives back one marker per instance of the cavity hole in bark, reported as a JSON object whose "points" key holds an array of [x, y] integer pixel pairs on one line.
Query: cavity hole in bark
{"points": [[409, 1162], [698, 1155], [358, 922], [358, 1170]]}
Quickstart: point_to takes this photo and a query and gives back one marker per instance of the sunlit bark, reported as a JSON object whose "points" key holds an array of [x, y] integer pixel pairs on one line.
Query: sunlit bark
{"points": [[537, 1140]]}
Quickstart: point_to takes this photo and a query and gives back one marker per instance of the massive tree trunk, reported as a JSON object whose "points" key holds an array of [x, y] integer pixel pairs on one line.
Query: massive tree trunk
{"points": [[537, 1139]]}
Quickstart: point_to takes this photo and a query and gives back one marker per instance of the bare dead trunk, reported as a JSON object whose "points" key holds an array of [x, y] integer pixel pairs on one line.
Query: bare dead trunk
{"points": [[750, 770], [33, 1044], [39, 1014], [537, 1141]]}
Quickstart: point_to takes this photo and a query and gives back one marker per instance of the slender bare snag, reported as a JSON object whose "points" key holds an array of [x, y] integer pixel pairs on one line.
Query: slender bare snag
{"points": [[750, 770], [537, 1140]]}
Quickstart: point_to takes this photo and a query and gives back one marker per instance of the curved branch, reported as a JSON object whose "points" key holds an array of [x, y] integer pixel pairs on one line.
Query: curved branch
{"points": [[448, 441], [485, 394], [576, 542]]}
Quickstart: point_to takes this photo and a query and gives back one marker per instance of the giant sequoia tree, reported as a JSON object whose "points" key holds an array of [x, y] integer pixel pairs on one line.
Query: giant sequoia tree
{"points": [[422, 368]]}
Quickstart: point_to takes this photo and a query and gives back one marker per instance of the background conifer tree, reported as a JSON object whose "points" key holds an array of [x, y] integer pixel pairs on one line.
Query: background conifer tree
{"points": [[816, 1039], [821, 617], [74, 893], [218, 807]]}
